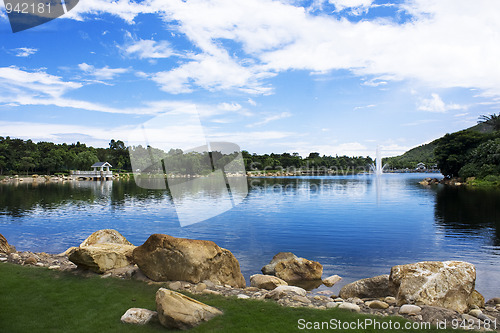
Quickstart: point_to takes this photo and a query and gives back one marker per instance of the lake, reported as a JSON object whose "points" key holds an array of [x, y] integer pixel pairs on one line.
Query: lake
{"points": [[356, 226]]}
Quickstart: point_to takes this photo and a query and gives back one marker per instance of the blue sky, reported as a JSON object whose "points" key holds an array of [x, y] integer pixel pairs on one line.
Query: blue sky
{"points": [[333, 76]]}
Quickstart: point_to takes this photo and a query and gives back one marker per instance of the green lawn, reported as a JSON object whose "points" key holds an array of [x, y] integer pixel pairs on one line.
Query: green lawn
{"points": [[34, 299]]}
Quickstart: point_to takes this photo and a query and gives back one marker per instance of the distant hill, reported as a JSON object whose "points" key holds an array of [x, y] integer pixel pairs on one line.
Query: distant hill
{"points": [[425, 152]]}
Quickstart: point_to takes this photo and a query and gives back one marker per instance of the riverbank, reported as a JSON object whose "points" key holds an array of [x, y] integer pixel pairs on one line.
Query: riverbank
{"points": [[487, 182], [326, 302]]}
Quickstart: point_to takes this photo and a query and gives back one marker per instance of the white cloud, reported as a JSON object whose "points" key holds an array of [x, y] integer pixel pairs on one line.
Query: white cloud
{"points": [[446, 43], [270, 118], [251, 102], [229, 106], [147, 48], [436, 104], [14, 79], [219, 72], [24, 51], [104, 73], [357, 7], [364, 107]]}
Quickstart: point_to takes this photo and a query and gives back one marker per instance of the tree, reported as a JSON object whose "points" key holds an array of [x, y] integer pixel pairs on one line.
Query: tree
{"points": [[452, 150], [493, 120]]}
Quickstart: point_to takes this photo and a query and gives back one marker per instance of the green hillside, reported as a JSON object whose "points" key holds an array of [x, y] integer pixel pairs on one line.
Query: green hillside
{"points": [[425, 152]]}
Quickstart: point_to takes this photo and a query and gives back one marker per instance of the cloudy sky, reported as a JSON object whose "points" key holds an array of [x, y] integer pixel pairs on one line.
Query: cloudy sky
{"points": [[333, 76]]}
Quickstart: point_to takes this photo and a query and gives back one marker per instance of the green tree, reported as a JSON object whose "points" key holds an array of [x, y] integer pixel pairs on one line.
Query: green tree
{"points": [[452, 150]]}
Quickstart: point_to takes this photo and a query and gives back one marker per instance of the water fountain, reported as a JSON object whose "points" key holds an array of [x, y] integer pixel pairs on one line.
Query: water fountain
{"points": [[377, 168]]}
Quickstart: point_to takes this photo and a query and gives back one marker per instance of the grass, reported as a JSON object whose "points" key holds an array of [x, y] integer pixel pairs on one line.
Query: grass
{"points": [[34, 299]]}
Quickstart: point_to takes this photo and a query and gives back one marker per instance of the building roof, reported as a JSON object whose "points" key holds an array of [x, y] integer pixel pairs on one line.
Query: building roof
{"points": [[101, 164]]}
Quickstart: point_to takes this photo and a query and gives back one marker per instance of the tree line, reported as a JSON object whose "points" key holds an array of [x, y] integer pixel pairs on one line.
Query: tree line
{"points": [[26, 156]]}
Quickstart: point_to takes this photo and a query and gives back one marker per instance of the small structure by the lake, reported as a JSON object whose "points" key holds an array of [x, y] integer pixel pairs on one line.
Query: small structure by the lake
{"points": [[100, 172]]}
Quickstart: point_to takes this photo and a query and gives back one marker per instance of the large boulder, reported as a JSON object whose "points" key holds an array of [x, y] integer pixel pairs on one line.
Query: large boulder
{"points": [[177, 311], [268, 282], [374, 287], [167, 258], [4, 245], [447, 284], [102, 251], [288, 267]]}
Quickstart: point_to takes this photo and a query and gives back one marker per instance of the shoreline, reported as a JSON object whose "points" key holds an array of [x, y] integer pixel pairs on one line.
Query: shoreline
{"points": [[322, 300]]}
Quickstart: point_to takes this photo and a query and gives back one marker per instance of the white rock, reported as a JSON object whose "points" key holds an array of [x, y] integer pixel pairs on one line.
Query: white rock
{"points": [[331, 305], [350, 307], [138, 316], [475, 312], [243, 296], [54, 267], [331, 280], [410, 309], [280, 291], [3, 259]]}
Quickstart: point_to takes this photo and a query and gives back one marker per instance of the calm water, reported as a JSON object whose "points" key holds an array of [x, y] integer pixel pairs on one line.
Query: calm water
{"points": [[356, 226]]}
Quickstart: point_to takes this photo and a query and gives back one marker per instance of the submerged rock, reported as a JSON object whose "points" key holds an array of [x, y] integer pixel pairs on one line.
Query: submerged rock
{"points": [[374, 287], [331, 280], [167, 258], [289, 267], [447, 284], [178, 311]]}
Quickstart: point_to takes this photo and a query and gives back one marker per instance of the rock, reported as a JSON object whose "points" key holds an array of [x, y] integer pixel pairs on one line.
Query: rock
{"points": [[475, 298], [178, 311], [266, 281], [494, 301], [102, 257], [331, 305], [138, 316], [435, 315], [4, 245], [374, 287], [377, 304], [349, 306], [390, 300], [289, 267], [242, 296], [54, 267], [30, 261], [445, 284], [281, 291], [301, 299], [167, 258], [176, 285], [410, 309], [331, 280], [105, 236], [475, 312], [199, 287]]}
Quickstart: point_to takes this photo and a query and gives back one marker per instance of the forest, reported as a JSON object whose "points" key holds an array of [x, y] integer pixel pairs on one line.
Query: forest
{"points": [[19, 156]]}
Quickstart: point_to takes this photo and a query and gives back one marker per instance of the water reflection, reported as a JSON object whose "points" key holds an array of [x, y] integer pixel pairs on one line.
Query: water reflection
{"points": [[469, 211]]}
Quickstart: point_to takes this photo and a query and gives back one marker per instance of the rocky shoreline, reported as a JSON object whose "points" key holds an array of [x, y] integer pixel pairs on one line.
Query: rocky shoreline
{"points": [[367, 296]]}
